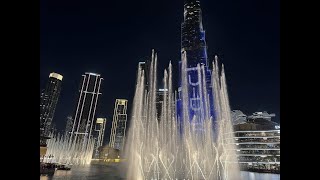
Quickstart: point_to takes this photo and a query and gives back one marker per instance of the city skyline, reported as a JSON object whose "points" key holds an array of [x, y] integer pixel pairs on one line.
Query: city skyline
{"points": [[254, 99]]}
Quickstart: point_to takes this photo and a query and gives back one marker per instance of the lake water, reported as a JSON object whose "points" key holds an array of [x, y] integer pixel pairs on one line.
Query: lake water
{"points": [[111, 172]]}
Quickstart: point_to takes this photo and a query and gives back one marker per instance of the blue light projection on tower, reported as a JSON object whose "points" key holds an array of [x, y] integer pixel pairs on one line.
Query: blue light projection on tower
{"points": [[193, 44]]}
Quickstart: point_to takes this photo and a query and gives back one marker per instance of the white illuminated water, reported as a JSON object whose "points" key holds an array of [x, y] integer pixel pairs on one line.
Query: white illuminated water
{"points": [[65, 151], [156, 149]]}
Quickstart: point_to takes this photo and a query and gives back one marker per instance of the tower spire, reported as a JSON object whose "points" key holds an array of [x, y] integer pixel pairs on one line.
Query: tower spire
{"points": [[191, 8], [193, 35]]}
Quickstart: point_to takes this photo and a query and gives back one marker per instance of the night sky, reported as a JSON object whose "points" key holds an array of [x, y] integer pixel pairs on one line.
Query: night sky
{"points": [[111, 37]]}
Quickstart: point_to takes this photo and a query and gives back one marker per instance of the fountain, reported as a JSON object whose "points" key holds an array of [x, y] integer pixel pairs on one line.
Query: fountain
{"points": [[167, 148], [64, 151]]}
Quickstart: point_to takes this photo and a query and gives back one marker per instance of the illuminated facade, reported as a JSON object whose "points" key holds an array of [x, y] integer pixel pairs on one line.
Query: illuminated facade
{"points": [[160, 95], [108, 154], [144, 65], [238, 117], [69, 125], [83, 120], [99, 135], [48, 102], [119, 123], [193, 44], [100, 128], [258, 143]]}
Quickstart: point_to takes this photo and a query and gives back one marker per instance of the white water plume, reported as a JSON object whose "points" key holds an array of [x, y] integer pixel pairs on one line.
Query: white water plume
{"points": [[62, 150], [161, 149]]}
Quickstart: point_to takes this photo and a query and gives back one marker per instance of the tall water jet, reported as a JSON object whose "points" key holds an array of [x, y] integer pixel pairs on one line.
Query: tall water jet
{"points": [[166, 148], [61, 149]]}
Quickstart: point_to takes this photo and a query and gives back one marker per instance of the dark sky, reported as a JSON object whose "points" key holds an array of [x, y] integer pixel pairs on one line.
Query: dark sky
{"points": [[111, 37]]}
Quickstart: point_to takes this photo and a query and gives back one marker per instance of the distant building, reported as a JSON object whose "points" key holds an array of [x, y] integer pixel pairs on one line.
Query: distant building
{"points": [[160, 95], [84, 117], [119, 124], [99, 135], [69, 125], [108, 154], [238, 117], [48, 102], [258, 143], [145, 65], [261, 115]]}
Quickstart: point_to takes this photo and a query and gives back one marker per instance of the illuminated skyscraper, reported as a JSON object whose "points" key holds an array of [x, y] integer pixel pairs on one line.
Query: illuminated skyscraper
{"points": [[48, 102], [145, 65], [69, 125], [193, 45], [160, 95], [86, 107], [99, 135], [119, 123]]}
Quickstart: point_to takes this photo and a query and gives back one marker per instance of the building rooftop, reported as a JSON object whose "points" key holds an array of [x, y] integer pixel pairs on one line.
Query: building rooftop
{"points": [[93, 74], [56, 75]]}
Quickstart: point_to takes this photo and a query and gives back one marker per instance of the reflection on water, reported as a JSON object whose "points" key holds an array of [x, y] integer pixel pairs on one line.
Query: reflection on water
{"points": [[259, 176], [109, 172], [93, 172]]}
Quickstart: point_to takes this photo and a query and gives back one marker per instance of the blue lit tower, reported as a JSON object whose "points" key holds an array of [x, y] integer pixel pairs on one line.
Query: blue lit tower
{"points": [[193, 44]]}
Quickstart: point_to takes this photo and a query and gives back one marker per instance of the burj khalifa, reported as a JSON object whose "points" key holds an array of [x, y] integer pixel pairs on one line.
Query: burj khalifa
{"points": [[194, 48]]}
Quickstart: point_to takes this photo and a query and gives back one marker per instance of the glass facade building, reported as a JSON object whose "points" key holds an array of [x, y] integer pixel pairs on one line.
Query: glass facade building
{"points": [[83, 120], [119, 124], [98, 135], [48, 102], [258, 143], [69, 125], [145, 66], [193, 45], [160, 95]]}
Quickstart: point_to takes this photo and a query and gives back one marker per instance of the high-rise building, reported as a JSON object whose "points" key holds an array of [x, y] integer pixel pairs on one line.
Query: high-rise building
{"points": [[160, 95], [69, 125], [142, 65], [193, 46], [119, 123], [145, 65], [84, 117], [99, 135], [48, 102]]}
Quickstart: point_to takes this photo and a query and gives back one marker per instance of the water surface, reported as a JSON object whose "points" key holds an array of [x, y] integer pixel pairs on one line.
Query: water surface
{"points": [[111, 172]]}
